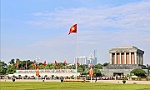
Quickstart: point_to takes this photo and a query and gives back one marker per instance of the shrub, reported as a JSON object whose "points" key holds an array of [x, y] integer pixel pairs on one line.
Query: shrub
{"points": [[124, 78], [13, 79], [139, 78], [147, 79], [124, 81]]}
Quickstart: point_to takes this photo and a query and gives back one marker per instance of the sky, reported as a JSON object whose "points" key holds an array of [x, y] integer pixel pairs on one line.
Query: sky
{"points": [[39, 28]]}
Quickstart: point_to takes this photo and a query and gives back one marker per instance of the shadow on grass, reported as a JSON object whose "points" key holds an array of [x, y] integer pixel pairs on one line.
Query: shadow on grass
{"points": [[144, 89], [39, 89]]}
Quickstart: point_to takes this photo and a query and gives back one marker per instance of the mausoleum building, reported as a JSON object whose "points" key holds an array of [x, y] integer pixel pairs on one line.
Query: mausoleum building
{"points": [[123, 60], [126, 55]]}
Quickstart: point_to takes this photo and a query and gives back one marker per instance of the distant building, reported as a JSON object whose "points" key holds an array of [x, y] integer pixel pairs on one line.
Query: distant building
{"points": [[95, 57], [87, 61], [81, 60], [91, 60]]}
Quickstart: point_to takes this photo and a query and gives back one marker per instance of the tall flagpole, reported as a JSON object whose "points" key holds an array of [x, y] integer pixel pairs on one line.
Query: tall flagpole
{"points": [[76, 53], [74, 29], [77, 49]]}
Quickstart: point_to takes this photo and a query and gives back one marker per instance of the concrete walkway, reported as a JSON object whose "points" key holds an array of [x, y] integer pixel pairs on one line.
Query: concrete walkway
{"points": [[120, 82], [98, 81]]}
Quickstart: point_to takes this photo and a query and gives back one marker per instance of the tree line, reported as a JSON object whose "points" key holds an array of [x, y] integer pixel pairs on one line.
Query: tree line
{"points": [[18, 64]]}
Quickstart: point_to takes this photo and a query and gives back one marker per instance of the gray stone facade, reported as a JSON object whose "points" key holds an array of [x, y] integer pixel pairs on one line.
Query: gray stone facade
{"points": [[124, 66], [112, 69], [113, 72]]}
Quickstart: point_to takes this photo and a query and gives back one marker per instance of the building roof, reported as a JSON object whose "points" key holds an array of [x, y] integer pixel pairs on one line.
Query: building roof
{"points": [[126, 49]]}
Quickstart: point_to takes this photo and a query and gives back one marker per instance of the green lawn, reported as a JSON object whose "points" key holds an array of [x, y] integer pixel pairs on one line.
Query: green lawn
{"points": [[70, 86]]}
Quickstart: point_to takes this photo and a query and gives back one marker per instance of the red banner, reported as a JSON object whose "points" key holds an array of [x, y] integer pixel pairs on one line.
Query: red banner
{"points": [[37, 73], [91, 73]]}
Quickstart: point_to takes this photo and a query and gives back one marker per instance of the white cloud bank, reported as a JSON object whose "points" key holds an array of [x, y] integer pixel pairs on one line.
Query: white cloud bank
{"points": [[100, 28], [127, 16]]}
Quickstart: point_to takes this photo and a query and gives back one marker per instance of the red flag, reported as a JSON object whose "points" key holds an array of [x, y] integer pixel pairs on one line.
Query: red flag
{"points": [[44, 63], [73, 29], [65, 62], [16, 64], [56, 63], [37, 67]]}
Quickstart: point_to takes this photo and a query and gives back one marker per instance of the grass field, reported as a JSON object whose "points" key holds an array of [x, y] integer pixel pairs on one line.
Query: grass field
{"points": [[70, 86]]}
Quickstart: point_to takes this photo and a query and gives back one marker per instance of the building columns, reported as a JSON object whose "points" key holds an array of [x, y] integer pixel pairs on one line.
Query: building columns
{"points": [[115, 58], [135, 57], [142, 59], [120, 58], [125, 60], [110, 58], [138, 58], [129, 57]]}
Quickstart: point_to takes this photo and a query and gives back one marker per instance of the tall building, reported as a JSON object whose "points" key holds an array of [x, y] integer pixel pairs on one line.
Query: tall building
{"points": [[92, 58], [126, 55], [95, 57]]}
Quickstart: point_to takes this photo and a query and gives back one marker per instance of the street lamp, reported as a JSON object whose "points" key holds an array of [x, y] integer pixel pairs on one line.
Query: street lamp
{"points": [[37, 60]]}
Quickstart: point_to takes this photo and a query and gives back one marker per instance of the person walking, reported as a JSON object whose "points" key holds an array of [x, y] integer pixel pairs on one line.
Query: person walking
{"points": [[95, 79]]}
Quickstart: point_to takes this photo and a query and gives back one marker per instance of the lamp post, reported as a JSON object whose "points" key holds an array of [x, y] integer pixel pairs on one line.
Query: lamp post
{"points": [[37, 60], [37, 69], [91, 70]]}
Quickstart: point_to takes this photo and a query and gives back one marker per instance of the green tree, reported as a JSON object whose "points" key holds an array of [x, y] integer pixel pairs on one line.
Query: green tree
{"points": [[84, 67], [138, 72], [11, 69], [42, 66], [3, 68], [52, 66], [80, 69], [105, 64], [29, 64], [97, 72], [148, 68], [98, 66], [12, 62]]}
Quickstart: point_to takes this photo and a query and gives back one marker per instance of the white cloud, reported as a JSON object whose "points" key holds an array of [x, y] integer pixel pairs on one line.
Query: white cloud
{"points": [[102, 28], [126, 16]]}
